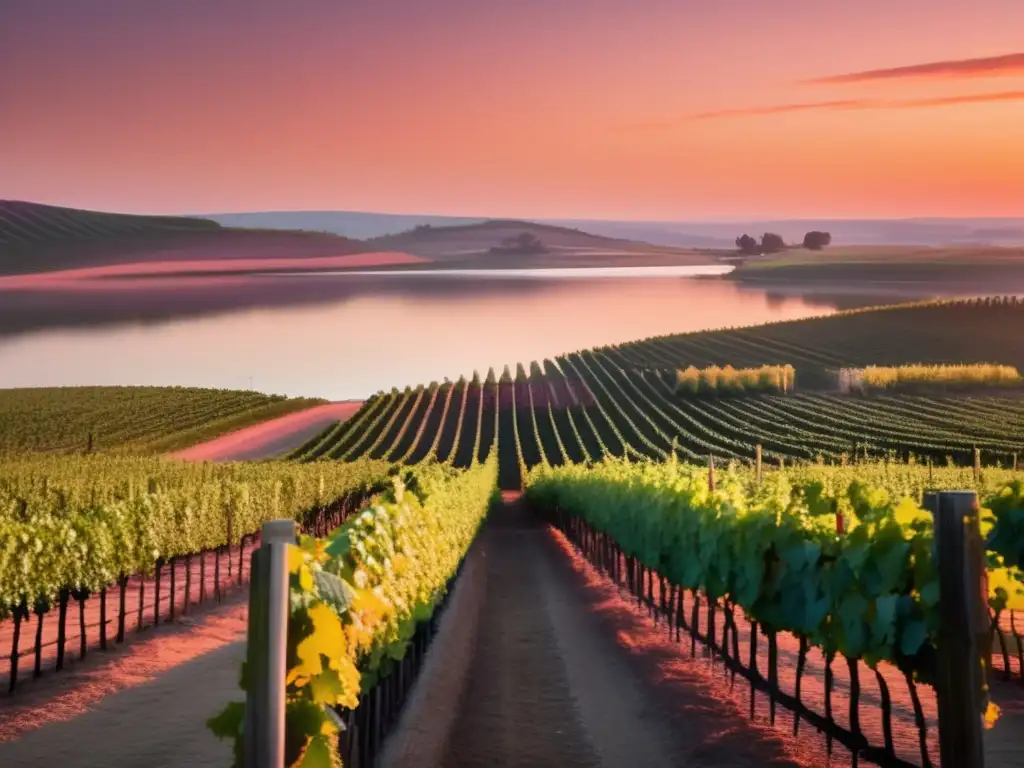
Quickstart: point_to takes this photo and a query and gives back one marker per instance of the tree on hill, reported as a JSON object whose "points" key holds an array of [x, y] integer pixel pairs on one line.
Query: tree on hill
{"points": [[816, 240], [747, 244], [523, 243], [772, 243]]}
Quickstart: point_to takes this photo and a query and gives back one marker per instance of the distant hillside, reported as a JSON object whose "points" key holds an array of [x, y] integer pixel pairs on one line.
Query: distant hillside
{"points": [[354, 224], [680, 234], [485, 244], [25, 224], [722, 234], [40, 238]]}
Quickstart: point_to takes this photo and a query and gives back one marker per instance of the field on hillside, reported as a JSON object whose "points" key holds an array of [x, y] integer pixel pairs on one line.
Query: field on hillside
{"points": [[42, 238], [138, 420], [983, 267], [965, 255], [620, 401], [470, 246]]}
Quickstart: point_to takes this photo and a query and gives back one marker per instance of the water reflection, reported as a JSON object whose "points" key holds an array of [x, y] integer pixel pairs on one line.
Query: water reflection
{"points": [[346, 338]]}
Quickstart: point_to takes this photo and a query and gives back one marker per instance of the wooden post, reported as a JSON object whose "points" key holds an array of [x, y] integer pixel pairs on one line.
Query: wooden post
{"points": [[62, 618], [930, 502], [88, 446], [267, 647], [711, 472], [977, 465], [930, 477], [959, 680], [1015, 462], [757, 459]]}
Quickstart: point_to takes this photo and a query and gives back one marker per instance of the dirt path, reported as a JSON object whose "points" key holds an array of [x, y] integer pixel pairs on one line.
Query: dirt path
{"points": [[144, 705], [562, 671], [214, 577], [271, 438]]}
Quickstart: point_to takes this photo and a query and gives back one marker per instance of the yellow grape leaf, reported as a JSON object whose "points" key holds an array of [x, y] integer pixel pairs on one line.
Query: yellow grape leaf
{"points": [[339, 684], [369, 606], [326, 638], [332, 687], [909, 511], [992, 713], [305, 579], [296, 559], [1004, 578]]}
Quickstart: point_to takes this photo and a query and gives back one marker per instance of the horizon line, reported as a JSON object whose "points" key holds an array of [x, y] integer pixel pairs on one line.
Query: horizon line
{"points": [[711, 219]]}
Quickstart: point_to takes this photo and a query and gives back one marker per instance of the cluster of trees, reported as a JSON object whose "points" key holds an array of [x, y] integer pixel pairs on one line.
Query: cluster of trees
{"points": [[715, 381], [904, 377], [521, 244], [770, 243], [773, 243]]}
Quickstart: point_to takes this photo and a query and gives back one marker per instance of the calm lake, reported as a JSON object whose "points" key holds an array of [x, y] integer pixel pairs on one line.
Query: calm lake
{"points": [[343, 336]]}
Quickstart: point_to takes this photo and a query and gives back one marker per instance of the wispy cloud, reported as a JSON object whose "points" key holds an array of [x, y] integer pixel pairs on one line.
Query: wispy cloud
{"points": [[967, 98], [855, 104], [1008, 64], [778, 109]]}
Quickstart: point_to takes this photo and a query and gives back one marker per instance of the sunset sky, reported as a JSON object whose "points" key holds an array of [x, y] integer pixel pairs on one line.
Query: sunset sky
{"points": [[628, 109]]}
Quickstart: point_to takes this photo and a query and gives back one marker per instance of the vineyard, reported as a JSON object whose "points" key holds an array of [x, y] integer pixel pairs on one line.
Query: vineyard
{"points": [[785, 531], [32, 224], [82, 522], [137, 420], [839, 572], [623, 402]]}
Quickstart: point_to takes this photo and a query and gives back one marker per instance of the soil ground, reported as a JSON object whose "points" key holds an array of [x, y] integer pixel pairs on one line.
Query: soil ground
{"points": [[208, 587], [271, 438], [563, 671], [144, 705]]}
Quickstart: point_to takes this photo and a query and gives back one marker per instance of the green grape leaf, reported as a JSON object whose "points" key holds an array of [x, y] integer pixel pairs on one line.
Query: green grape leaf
{"points": [[912, 638], [228, 723], [326, 687], [320, 752], [883, 627], [851, 614], [930, 593]]}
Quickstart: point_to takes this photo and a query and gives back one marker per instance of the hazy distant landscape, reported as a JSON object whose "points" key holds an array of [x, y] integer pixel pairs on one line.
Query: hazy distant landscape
{"points": [[687, 234]]}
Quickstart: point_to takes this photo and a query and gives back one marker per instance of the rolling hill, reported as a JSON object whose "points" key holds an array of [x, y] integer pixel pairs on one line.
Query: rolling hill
{"points": [[480, 245], [680, 233], [43, 238], [620, 400]]}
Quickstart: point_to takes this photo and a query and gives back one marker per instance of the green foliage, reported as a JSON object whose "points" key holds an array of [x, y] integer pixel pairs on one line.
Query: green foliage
{"points": [[772, 549], [80, 522], [357, 595], [128, 419]]}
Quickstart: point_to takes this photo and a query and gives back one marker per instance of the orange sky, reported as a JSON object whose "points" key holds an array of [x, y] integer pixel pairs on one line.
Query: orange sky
{"points": [[633, 109]]}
